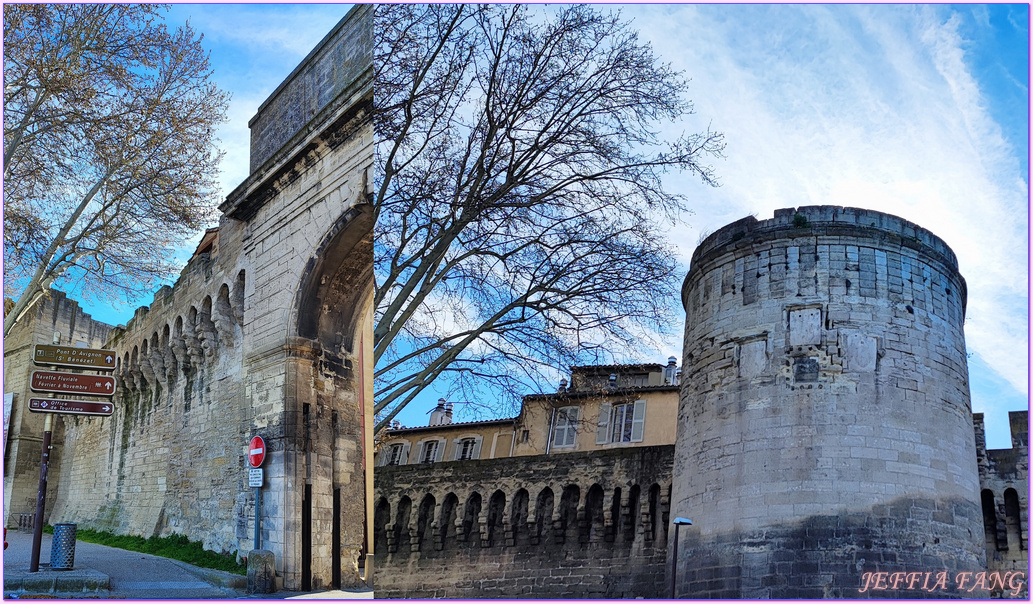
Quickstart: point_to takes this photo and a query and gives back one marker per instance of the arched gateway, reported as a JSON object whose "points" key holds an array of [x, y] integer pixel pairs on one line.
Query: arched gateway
{"points": [[261, 335]]}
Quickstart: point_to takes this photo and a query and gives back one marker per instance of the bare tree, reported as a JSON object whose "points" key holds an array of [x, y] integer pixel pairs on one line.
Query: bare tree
{"points": [[109, 158], [520, 210]]}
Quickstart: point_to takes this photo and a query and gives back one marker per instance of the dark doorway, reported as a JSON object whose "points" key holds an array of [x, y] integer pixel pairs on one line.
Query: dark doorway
{"points": [[335, 545], [306, 539]]}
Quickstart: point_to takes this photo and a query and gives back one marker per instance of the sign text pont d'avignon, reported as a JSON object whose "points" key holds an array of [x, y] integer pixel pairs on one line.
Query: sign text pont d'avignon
{"points": [[69, 356], [72, 383], [53, 405]]}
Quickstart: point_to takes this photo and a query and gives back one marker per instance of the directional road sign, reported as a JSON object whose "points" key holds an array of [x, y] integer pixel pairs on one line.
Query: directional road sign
{"points": [[54, 405], [256, 451], [69, 356], [73, 383]]}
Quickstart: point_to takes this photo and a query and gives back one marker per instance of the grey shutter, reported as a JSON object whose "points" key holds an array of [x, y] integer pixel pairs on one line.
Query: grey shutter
{"points": [[418, 458], [602, 433], [440, 454], [455, 449], [476, 449], [638, 422], [573, 414], [404, 459]]}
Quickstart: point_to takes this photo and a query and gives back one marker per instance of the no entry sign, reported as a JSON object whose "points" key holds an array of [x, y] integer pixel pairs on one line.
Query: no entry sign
{"points": [[256, 452]]}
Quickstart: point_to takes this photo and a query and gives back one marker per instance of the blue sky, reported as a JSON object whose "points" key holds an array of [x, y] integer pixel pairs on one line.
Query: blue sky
{"points": [[919, 111], [253, 47]]}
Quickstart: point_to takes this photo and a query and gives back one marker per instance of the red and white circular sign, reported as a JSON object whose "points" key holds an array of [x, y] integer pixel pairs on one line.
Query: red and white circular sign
{"points": [[256, 452]]}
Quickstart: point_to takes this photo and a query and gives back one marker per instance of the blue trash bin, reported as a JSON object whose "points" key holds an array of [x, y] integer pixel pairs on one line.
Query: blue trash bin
{"points": [[62, 547]]}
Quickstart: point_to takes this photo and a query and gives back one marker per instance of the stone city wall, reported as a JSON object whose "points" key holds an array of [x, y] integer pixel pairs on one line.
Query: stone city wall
{"points": [[261, 335], [171, 457], [1004, 483], [576, 525], [54, 320]]}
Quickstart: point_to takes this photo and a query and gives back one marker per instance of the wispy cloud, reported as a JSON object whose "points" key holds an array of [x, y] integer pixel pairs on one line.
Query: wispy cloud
{"points": [[873, 107]]}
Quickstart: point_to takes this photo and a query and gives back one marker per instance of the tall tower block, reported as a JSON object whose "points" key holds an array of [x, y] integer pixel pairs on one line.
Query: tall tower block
{"points": [[825, 427]]}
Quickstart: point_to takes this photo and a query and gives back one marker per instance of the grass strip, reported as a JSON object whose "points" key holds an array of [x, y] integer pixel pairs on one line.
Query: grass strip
{"points": [[177, 547]]}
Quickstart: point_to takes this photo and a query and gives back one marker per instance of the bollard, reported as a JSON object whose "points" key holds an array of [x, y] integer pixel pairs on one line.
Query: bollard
{"points": [[261, 572], [62, 547]]}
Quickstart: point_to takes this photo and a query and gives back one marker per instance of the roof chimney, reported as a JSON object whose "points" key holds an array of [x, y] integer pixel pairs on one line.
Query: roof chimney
{"points": [[613, 381], [395, 425], [563, 385], [670, 371], [448, 413], [437, 415]]}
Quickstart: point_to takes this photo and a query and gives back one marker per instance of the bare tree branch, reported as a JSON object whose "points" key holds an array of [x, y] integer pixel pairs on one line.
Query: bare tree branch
{"points": [[520, 204], [109, 155]]}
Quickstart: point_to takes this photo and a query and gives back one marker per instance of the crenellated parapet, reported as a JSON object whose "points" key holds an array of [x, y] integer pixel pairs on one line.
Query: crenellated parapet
{"points": [[187, 327], [508, 527], [261, 334]]}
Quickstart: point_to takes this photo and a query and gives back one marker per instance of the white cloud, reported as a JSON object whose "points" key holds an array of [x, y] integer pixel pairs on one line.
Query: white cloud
{"points": [[863, 106]]}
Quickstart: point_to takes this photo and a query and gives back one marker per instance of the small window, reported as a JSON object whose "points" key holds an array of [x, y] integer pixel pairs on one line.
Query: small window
{"points": [[621, 423], [564, 431], [430, 452], [466, 448], [525, 436], [394, 455], [639, 380]]}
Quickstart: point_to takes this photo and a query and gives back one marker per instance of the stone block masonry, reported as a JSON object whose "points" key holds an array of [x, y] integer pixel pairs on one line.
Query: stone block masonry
{"points": [[1004, 495], [825, 428], [56, 320], [262, 334], [578, 525]]}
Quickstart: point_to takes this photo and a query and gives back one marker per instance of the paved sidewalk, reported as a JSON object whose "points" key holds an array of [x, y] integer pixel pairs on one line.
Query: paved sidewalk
{"points": [[137, 576]]}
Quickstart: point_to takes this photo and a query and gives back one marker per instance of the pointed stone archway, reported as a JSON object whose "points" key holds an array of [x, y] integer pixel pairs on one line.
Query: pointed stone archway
{"points": [[328, 424]]}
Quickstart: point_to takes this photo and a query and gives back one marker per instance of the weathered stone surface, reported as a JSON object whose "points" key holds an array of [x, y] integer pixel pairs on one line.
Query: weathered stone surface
{"points": [[852, 449], [261, 572], [1004, 480], [262, 334], [577, 525]]}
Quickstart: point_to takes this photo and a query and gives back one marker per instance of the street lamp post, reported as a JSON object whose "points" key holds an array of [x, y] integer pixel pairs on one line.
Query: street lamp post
{"points": [[678, 522]]}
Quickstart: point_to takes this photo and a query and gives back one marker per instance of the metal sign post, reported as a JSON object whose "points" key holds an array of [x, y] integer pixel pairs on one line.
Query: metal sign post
{"points": [[255, 457], [51, 381], [41, 496]]}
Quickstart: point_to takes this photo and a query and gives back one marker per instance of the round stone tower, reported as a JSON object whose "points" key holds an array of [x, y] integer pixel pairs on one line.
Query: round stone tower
{"points": [[825, 428]]}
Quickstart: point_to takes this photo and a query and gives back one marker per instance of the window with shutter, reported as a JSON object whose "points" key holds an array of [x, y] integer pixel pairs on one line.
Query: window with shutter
{"points": [[429, 451], [623, 423], [620, 423], [465, 448], [602, 434], [393, 455], [564, 431]]}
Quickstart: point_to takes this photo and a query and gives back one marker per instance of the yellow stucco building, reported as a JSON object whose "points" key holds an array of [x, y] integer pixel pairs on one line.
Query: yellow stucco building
{"points": [[603, 407]]}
